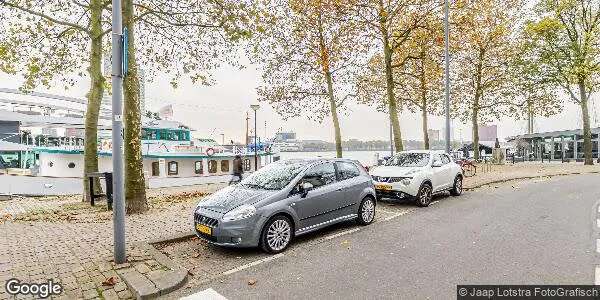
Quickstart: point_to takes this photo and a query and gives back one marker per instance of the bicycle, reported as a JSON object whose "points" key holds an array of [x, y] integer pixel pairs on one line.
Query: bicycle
{"points": [[468, 167]]}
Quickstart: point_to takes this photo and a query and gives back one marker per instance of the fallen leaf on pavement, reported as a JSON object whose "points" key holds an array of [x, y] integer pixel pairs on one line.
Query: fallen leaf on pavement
{"points": [[110, 281]]}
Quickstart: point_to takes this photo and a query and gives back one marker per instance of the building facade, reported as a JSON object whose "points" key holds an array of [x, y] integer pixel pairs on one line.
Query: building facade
{"points": [[555, 145]]}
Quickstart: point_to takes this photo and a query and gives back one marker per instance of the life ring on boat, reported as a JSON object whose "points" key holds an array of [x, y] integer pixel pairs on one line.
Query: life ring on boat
{"points": [[210, 151]]}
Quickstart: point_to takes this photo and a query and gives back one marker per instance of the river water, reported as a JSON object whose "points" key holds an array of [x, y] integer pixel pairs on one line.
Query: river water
{"points": [[367, 158]]}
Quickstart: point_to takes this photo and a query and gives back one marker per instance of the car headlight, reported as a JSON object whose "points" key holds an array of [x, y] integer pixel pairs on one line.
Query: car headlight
{"points": [[240, 212]]}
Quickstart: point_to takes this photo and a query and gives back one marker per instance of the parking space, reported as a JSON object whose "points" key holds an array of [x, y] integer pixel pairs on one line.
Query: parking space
{"points": [[207, 262]]}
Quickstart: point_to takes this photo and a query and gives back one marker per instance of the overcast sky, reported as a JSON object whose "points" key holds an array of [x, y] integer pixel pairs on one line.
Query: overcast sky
{"points": [[221, 109]]}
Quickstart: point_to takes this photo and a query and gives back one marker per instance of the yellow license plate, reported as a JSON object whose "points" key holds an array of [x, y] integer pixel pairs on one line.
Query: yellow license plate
{"points": [[385, 187], [204, 229]]}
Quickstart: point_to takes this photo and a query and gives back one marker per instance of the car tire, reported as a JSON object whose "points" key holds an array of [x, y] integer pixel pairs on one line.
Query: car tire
{"points": [[424, 196], [366, 211], [458, 186], [277, 234]]}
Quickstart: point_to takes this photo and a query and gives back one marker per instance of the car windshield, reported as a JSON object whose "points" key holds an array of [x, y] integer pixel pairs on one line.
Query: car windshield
{"points": [[274, 176], [409, 160]]}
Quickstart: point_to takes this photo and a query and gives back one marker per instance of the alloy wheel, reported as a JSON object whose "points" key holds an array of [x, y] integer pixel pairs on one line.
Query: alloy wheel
{"points": [[459, 185], [368, 211], [425, 195], [279, 234]]}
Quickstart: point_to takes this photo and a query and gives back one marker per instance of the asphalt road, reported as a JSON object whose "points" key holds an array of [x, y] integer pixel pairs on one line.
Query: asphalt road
{"points": [[535, 232]]}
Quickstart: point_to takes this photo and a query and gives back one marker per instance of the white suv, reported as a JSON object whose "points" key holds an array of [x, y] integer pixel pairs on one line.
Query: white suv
{"points": [[417, 175]]}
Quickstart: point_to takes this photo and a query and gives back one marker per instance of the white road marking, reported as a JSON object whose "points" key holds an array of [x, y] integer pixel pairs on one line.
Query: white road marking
{"points": [[333, 236], [599, 208], [385, 211], [254, 263], [396, 215], [208, 294], [597, 276], [598, 245], [598, 223]]}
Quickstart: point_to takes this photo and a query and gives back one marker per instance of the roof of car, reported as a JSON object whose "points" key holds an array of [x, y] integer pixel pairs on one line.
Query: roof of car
{"points": [[423, 151], [314, 160]]}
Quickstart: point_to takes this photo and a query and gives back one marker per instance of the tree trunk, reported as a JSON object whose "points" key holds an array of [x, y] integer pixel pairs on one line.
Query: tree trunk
{"points": [[334, 115], [587, 133], [475, 107], [389, 76], [425, 127], [475, 124], [530, 117], [90, 152], [329, 80], [135, 186], [424, 107]]}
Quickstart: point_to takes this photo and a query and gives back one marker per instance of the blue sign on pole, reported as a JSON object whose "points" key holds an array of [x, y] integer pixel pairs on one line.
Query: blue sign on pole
{"points": [[125, 52]]}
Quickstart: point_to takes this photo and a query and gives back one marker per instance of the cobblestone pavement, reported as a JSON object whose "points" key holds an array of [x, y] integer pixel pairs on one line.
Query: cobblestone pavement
{"points": [[78, 254], [487, 174], [18, 206]]}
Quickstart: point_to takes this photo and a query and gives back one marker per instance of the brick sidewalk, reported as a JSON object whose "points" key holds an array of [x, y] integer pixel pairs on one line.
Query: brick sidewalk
{"points": [[488, 174], [78, 254]]}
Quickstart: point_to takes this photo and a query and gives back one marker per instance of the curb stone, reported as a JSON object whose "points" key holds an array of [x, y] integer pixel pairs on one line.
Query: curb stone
{"points": [[156, 283], [470, 188]]}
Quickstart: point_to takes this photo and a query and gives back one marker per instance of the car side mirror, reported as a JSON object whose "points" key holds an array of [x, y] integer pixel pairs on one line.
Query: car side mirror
{"points": [[436, 163], [304, 188]]}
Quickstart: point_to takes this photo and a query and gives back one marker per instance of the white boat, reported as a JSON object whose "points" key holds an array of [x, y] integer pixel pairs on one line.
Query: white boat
{"points": [[170, 158]]}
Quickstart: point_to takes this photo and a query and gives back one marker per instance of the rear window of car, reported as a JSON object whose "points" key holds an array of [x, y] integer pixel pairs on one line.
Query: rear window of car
{"points": [[409, 159], [347, 170]]}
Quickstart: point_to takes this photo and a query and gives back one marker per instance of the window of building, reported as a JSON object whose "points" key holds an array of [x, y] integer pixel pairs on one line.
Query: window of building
{"points": [[212, 166], [173, 168], [225, 166], [347, 170], [198, 168], [155, 168], [247, 164]]}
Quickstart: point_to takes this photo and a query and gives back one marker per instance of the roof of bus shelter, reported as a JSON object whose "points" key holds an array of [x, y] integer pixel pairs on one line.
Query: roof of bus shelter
{"points": [[551, 134]]}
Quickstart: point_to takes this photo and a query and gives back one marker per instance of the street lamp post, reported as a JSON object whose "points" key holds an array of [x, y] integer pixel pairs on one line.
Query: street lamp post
{"points": [[255, 107], [447, 62], [117, 133]]}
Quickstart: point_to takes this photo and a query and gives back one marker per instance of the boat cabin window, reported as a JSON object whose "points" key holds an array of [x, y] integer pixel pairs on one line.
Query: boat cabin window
{"points": [[247, 164], [212, 166], [224, 166], [173, 168], [155, 168], [165, 134], [198, 168]]}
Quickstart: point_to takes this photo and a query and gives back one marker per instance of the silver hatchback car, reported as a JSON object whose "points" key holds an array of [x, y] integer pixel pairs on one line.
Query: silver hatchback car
{"points": [[285, 199]]}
